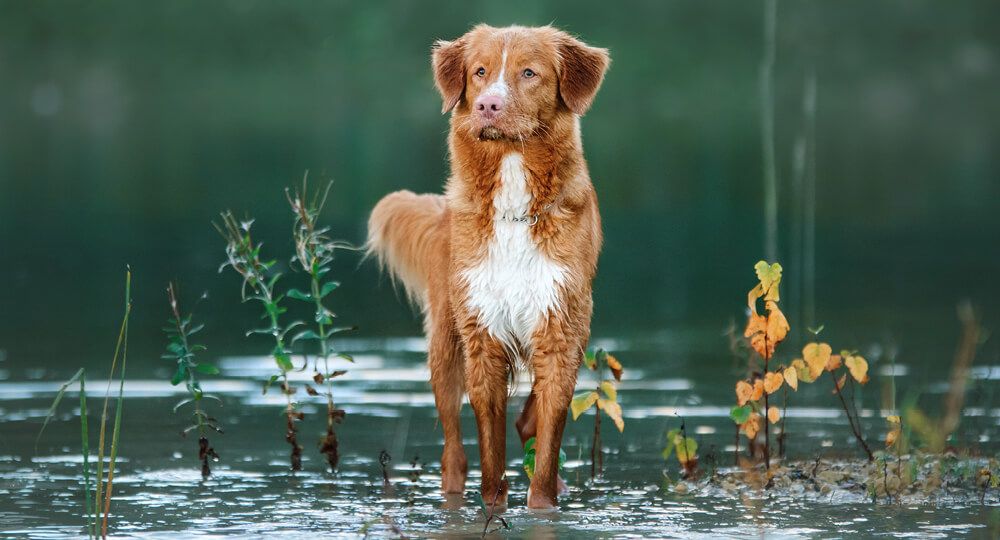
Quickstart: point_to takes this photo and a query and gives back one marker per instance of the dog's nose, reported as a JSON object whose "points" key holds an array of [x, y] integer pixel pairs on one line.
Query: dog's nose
{"points": [[489, 106]]}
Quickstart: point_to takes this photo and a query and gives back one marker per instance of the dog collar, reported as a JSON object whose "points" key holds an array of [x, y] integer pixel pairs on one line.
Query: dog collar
{"points": [[529, 219]]}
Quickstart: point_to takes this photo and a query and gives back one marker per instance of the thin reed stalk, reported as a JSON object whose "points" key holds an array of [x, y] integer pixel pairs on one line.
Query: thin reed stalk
{"points": [[102, 493]]}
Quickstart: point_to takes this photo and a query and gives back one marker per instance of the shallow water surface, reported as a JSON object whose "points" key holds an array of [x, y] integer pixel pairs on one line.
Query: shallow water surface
{"points": [[159, 491]]}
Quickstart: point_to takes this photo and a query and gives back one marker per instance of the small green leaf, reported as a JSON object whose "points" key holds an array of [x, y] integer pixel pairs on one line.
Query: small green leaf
{"points": [[305, 334], [267, 385], [740, 415], [299, 295], [328, 287], [179, 375], [283, 360], [182, 403], [207, 369]]}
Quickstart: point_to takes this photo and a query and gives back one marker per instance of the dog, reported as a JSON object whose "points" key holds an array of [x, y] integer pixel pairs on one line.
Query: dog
{"points": [[501, 265]]}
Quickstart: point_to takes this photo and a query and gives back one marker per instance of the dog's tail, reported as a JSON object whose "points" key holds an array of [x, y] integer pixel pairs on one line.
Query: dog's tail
{"points": [[405, 234]]}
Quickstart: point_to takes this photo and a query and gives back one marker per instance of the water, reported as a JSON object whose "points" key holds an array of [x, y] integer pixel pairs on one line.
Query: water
{"points": [[159, 492]]}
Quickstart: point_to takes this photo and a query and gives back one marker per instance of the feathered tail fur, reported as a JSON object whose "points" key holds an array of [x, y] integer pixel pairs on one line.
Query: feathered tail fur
{"points": [[407, 234]]}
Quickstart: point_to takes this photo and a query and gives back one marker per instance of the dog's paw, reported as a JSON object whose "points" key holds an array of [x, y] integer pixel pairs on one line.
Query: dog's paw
{"points": [[540, 502]]}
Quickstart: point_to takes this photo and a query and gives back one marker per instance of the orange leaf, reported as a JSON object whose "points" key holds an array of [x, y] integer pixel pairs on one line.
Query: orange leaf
{"points": [[743, 392], [773, 415], [615, 366], [833, 363], [777, 325], [892, 437], [772, 382], [758, 390], [751, 426]]}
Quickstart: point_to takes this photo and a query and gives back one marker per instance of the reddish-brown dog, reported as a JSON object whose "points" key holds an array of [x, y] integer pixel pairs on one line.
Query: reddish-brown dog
{"points": [[502, 263]]}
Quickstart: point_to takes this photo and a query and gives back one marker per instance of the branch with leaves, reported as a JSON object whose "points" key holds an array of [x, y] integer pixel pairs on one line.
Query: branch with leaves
{"points": [[314, 252], [604, 397], [764, 333], [259, 280], [179, 330]]}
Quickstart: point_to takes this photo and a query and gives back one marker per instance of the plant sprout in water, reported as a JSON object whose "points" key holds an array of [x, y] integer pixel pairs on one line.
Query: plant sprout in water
{"points": [[259, 281], [604, 397], [179, 330], [314, 252]]}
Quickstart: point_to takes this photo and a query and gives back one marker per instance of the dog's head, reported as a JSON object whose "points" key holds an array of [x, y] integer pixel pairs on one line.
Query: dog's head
{"points": [[513, 83]]}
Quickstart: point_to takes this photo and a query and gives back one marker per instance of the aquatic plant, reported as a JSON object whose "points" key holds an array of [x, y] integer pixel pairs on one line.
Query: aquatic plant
{"points": [[685, 448], [764, 333], [259, 280], [179, 330], [598, 362], [490, 512], [935, 433], [314, 252], [96, 519]]}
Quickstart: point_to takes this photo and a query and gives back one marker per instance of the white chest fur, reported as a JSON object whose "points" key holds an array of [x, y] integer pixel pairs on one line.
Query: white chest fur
{"points": [[515, 285]]}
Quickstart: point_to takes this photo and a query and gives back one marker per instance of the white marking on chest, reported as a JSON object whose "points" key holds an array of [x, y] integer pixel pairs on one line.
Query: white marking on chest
{"points": [[499, 86], [515, 285]]}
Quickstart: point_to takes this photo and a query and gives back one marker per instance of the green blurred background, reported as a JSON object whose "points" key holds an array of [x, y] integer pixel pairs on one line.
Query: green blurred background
{"points": [[125, 127]]}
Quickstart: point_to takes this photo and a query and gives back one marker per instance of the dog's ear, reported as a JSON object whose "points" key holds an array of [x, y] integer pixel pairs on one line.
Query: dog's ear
{"points": [[583, 70], [448, 59]]}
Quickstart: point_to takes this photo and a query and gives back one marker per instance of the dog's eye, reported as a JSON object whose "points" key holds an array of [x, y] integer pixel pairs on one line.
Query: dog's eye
{"points": [[481, 72], [528, 74]]}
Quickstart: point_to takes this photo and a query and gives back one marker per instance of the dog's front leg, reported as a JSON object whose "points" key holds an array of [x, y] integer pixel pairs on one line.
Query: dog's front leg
{"points": [[555, 365], [486, 374]]}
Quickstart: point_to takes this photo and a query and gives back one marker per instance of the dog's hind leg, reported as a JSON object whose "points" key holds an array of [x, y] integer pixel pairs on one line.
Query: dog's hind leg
{"points": [[445, 358]]}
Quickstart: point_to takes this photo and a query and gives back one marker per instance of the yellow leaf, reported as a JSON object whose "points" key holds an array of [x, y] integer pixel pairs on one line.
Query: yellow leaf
{"points": [[773, 414], [758, 390], [609, 390], [614, 411], [792, 378], [894, 419], [743, 392], [769, 276], [816, 356], [802, 370], [615, 366], [582, 402], [858, 367], [772, 382]]}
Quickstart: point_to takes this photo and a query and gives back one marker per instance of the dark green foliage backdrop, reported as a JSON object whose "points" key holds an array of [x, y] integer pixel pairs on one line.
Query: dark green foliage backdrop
{"points": [[125, 127]]}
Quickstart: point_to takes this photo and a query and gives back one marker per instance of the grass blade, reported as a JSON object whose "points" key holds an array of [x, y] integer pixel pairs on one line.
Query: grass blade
{"points": [[85, 440], [122, 333], [55, 403]]}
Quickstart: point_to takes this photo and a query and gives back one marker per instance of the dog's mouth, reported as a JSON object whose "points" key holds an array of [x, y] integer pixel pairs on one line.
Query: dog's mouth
{"points": [[491, 133]]}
